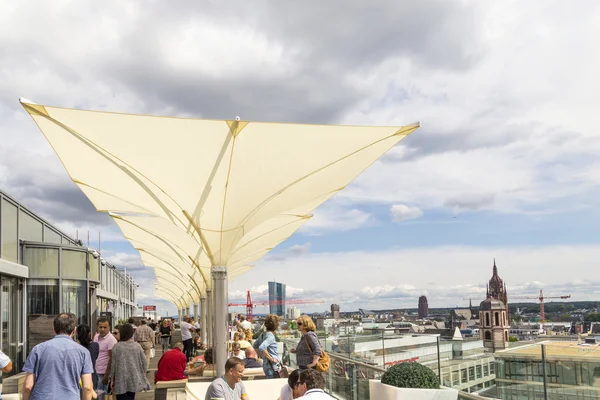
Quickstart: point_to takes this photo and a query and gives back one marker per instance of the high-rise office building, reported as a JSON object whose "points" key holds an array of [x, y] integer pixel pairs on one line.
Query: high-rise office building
{"points": [[293, 313], [423, 307], [335, 311], [277, 298]]}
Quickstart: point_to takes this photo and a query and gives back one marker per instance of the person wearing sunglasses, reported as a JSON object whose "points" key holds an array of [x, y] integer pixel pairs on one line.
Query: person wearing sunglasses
{"points": [[308, 349], [290, 390]]}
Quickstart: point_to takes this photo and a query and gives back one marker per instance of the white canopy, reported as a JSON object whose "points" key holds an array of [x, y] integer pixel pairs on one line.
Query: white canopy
{"points": [[193, 193]]}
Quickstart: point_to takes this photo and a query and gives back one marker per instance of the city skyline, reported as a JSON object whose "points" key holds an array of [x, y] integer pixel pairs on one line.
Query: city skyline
{"points": [[505, 164]]}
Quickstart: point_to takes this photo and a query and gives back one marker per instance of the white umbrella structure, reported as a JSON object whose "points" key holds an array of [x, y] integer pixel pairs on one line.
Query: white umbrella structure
{"points": [[200, 198]]}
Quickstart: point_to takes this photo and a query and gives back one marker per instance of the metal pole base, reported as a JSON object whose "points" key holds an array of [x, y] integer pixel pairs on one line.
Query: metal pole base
{"points": [[219, 276]]}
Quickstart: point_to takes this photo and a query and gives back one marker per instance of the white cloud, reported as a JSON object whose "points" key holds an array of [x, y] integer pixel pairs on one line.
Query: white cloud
{"points": [[401, 212], [333, 216], [396, 278]]}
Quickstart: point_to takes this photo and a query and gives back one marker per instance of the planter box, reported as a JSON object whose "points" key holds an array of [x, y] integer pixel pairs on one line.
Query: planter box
{"points": [[381, 391]]}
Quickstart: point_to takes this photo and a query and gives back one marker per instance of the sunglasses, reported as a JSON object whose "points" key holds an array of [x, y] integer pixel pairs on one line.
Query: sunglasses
{"points": [[115, 333], [299, 323]]}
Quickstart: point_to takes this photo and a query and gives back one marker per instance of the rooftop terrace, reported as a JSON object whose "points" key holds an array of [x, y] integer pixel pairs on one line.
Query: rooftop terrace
{"points": [[555, 349]]}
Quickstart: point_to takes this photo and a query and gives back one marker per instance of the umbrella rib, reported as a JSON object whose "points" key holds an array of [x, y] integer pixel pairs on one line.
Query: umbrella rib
{"points": [[126, 168], [225, 197], [279, 192]]}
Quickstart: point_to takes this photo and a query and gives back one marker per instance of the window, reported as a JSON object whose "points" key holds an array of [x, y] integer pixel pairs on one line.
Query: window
{"points": [[497, 319], [74, 264], [487, 319], [94, 263], [491, 368], [42, 262], [51, 236], [486, 370], [478, 371], [471, 373], [488, 335], [42, 296], [74, 299], [463, 375], [29, 228], [8, 235]]}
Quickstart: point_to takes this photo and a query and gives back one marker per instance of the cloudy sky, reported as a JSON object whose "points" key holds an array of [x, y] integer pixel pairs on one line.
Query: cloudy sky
{"points": [[506, 164]]}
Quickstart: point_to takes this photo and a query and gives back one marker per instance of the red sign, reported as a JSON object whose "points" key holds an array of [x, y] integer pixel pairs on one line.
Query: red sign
{"points": [[149, 308]]}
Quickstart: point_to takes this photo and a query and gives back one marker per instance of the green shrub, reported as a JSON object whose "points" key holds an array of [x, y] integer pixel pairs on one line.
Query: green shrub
{"points": [[411, 375]]}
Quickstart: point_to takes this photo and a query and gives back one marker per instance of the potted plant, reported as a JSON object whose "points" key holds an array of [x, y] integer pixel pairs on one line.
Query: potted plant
{"points": [[410, 380]]}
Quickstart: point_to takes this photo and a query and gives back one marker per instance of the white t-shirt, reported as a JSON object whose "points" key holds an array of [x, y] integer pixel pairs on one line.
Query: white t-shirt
{"points": [[246, 325], [185, 330], [286, 393], [316, 394]]}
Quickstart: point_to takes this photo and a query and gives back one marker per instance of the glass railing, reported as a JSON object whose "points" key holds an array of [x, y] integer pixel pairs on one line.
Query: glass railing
{"points": [[349, 374]]}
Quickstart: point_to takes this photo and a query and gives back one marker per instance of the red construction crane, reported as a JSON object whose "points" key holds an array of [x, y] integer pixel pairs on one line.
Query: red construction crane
{"points": [[541, 299], [249, 304]]}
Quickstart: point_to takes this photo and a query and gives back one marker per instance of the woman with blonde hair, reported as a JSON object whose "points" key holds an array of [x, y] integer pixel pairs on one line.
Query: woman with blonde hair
{"points": [[308, 349]]}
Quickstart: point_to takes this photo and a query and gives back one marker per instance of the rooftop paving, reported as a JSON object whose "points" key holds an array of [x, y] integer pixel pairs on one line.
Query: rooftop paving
{"points": [[557, 349]]}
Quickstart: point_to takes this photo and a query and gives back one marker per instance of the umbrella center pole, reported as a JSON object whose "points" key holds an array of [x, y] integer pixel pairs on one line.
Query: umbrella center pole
{"points": [[203, 320], [219, 277], [210, 312]]}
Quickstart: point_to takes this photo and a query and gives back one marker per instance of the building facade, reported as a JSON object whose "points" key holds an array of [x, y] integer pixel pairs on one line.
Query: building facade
{"points": [[572, 371], [493, 324], [44, 272], [277, 298], [335, 311], [423, 307]]}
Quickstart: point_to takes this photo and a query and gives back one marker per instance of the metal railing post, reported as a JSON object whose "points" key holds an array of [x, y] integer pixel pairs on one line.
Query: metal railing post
{"points": [[545, 377]]}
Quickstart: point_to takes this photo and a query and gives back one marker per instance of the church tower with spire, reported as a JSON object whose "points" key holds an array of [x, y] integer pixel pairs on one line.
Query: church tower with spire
{"points": [[496, 287], [493, 314]]}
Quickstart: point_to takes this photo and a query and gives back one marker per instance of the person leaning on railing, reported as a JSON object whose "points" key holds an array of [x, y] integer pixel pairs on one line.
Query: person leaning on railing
{"points": [[308, 349]]}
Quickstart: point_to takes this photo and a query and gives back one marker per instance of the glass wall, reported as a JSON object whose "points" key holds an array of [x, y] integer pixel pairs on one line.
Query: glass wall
{"points": [[30, 228], [42, 261], [74, 299], [8, 234], [74, 264], [51, 236]]}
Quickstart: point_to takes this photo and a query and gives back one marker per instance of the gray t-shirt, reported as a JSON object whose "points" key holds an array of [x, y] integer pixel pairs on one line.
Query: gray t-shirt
{"points": [[58, 365], [220, 389]]}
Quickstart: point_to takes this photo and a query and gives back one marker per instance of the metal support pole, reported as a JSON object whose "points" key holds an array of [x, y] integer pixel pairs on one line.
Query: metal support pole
{"points": [[545, 378], [439, 363], [219, 276], [196, 312], [203, 320], [210, 306]]}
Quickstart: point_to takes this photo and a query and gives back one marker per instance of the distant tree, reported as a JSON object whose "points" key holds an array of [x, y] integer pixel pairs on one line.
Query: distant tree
{"points": [[513, 339], [517, 318], [565, 317], [593, 317]]}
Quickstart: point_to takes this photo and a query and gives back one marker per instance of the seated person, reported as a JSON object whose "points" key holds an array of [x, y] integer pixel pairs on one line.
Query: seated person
{"points": [[239, 338], [231, 386], [290, 390], [172, 365], [206, 366], [311, 384], [236, 352], [251, 360]]}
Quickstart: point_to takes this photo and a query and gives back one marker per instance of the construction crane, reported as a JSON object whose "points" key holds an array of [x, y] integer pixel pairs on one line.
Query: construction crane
{"points": [[541, 298], [249, 304]]}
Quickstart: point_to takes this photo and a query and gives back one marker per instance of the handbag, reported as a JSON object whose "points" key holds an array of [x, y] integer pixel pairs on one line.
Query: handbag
{"points": [[282, 373], [324, 360]]}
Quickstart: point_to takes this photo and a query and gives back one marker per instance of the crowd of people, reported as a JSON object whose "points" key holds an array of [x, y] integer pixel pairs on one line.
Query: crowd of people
{"points": [[116, 361]]}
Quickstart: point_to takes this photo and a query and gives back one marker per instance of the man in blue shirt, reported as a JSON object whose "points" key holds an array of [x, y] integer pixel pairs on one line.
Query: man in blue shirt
{"points": [[56, 367]]}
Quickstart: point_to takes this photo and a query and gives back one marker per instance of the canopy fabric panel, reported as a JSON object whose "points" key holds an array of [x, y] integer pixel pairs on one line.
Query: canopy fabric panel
{"points": [[211, 192]]}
